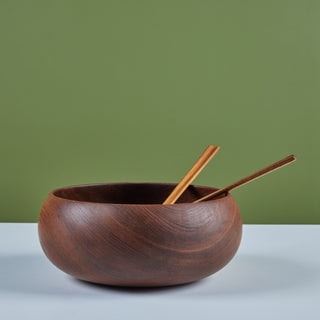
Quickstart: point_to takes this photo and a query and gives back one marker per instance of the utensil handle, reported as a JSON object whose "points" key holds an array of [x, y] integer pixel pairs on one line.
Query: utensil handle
{"points": [[192, 174], [249, 178]]}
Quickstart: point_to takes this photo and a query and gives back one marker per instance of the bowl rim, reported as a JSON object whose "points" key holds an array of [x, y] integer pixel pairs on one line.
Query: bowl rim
{"points": [[226, 196]]}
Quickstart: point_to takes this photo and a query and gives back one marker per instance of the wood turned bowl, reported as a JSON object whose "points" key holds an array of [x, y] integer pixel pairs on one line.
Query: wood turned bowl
{"points": [[120, 234]]}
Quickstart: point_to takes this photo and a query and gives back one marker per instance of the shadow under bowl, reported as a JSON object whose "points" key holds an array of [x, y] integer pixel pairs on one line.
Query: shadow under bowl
{"points": [[120, 234]]}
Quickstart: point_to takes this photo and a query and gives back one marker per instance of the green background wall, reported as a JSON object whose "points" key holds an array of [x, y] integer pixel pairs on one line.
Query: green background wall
{"points": [[106, 91]]}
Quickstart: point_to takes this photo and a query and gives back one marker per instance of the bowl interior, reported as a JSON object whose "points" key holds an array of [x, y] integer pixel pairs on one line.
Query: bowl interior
{"points": [[130, 193]]}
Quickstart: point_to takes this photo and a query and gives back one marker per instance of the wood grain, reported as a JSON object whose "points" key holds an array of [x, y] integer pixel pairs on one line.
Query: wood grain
{"points": [[249, 178], [207, 155], [120, 234]]}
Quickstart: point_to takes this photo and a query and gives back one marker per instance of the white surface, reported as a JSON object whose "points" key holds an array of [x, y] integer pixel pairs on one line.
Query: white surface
{"points": [[275, 275]]}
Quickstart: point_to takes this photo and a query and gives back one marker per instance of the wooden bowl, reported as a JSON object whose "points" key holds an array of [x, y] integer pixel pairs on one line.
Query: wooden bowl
{"points": [[120, 234]]}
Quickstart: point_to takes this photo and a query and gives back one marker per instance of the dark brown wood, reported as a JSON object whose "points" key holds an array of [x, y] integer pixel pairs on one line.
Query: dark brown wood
{"points": [[120, 234], [249, 178], [206, 156]]}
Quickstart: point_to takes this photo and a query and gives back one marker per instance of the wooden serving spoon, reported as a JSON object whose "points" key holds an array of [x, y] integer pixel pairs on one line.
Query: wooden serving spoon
{"points": [[249, 178], [192, 174]]}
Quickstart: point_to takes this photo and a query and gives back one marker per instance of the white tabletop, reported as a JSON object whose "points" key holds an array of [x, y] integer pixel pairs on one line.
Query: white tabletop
{"points": [[274, 275]]}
